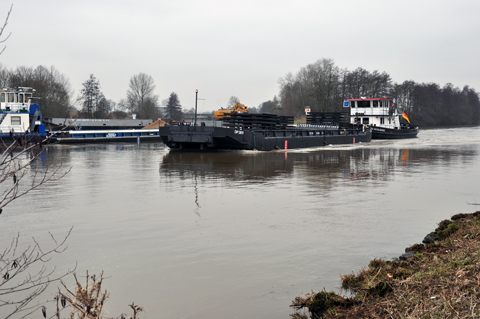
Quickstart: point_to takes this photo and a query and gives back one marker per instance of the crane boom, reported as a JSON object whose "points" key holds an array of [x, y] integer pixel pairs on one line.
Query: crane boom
{"points": [[236, 109]]}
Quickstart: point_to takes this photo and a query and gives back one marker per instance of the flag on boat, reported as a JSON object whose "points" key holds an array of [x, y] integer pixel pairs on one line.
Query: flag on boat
{"points": [[405, 117]]}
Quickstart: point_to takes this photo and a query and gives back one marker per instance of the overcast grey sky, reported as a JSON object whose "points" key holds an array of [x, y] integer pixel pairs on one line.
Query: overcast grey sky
{"points": [[242, 48]]}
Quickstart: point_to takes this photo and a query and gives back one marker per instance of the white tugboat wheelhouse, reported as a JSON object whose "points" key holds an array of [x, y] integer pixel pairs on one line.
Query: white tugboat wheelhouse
{"points": [[382, 116], [18, 114]]}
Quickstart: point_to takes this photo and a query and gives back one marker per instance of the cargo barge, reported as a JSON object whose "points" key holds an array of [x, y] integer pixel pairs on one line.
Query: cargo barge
{"points": [[265, 132], [106, 136]]}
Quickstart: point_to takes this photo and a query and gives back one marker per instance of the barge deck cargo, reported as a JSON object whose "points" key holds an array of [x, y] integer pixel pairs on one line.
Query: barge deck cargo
{"points": [[262, 132]]}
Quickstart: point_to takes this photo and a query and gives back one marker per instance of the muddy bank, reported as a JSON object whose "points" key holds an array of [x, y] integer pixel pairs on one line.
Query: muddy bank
{"points": [[438, 278]]}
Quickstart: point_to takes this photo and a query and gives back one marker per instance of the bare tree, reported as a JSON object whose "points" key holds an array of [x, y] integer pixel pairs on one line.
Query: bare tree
{"points": [[19, 283], [52, 88], [140, 98], [24, 272], [2, 29], [232, 101], [4, 76], [270, 106]]}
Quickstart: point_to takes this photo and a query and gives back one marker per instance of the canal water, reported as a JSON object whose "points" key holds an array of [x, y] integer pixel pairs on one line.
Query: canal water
{"points": [[241, 234]]}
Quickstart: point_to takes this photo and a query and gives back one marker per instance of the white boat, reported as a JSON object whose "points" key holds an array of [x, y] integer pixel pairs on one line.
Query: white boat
{"points": [[19, 116], [382, 117]]}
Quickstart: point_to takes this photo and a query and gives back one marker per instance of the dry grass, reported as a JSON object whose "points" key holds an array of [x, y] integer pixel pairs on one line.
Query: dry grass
{"points": [[440, 280], [87, 301]]}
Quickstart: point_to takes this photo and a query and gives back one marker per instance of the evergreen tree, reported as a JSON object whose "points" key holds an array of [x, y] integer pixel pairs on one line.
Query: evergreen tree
{"points": [[91, 96], [173, 108]]}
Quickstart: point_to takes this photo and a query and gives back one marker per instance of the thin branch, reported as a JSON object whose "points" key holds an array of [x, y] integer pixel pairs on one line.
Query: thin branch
{"points": [[3, 29]]}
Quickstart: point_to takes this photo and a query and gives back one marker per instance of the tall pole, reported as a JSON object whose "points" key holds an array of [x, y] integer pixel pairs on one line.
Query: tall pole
{"points": [[196, 98]]}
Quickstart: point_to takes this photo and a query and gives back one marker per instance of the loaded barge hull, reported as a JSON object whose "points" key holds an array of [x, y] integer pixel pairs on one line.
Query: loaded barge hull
{"points": [[203, 138], [260, 132]]}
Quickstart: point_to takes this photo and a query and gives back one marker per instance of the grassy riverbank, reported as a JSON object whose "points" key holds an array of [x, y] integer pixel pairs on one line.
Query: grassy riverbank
{"points": [[438, 280]]}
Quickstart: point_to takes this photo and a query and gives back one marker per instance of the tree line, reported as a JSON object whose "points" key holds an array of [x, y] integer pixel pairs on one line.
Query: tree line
{"points": [[57, 98], [323, 87]]}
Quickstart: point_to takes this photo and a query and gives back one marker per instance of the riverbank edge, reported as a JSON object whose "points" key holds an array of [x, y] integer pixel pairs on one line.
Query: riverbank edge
{"points": [[440, 277]]}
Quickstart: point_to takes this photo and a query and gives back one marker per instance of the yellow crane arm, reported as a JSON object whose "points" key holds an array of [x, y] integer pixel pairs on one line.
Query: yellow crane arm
{"points": [[220, 114]]}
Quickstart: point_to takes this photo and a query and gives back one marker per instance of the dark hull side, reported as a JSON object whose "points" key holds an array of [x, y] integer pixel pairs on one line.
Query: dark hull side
{"points": [[71, 140], [389, 134], [204, 138], [25, 138]]}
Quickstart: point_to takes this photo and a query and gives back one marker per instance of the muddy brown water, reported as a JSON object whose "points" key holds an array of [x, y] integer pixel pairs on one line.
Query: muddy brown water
{"points": [[240, 234]]}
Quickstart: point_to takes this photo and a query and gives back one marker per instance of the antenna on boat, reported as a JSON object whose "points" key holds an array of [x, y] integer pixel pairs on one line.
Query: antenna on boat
{"points": [[196, 98]]}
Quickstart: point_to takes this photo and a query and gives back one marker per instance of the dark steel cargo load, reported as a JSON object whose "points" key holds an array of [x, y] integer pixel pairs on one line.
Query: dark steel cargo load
{"points": [[262, 132]]}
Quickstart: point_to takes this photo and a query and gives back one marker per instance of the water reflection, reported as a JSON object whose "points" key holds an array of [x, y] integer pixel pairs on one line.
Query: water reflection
{"points": [[364, 164], [273, 225], [255, 167]]}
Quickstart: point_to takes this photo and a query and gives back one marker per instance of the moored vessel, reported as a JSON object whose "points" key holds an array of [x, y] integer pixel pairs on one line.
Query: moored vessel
{"points": [[19, 116], [384, 119], [105, 136]]}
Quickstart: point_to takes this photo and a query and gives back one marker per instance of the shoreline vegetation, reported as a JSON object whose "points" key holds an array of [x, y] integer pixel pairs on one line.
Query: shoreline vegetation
{"points": [[437, 279]]}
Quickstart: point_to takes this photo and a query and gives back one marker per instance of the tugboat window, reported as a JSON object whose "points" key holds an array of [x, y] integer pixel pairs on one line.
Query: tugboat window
{"points": [[16, 120], [375, 103], [3, 97], [365, 120], [363, 103]]}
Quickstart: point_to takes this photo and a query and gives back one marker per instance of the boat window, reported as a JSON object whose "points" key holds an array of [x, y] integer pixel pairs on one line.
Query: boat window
{"points": [[363, 103], [366, 120], [375, 103], [357, 120], [16, 120], [20, 98], [382, 120], [11, 97], [2, 98], [352, 103]]}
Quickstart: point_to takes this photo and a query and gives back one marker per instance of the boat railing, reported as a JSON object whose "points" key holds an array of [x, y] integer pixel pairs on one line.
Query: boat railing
{"points": [[15, 107], [317, 126], [191, 128]]}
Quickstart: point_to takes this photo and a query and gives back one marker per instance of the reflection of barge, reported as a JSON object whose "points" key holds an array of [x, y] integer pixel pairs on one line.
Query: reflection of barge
{"points": [[384, 119], [262, 132]]}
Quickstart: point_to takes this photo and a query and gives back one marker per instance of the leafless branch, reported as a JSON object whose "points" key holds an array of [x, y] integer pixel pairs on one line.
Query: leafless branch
{"points": [[15, 161], [17, 276], [3, 29]]}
